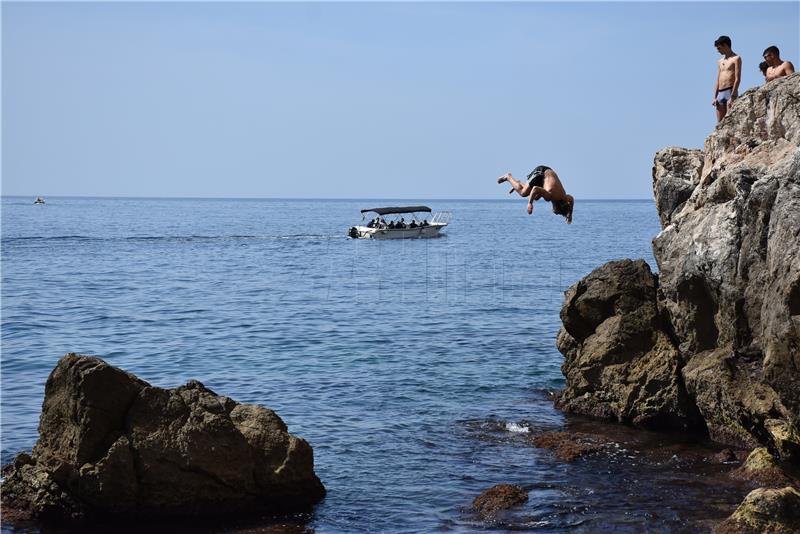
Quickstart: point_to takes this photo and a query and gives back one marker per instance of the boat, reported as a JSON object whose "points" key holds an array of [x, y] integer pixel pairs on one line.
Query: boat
{"points": [[397, 227], [39, 200]]}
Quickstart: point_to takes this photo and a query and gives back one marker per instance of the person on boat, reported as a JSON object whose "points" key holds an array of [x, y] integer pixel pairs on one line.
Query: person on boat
{"points": [[729, 75], [413, 224], [543, 182], [777, 67]]}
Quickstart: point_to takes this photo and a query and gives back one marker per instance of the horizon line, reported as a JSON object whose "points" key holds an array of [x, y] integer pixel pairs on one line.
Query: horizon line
{"points": [[146, 197]]}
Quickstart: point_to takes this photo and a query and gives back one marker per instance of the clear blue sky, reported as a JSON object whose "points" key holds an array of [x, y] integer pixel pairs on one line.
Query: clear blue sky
{"points": [[386, 100]]}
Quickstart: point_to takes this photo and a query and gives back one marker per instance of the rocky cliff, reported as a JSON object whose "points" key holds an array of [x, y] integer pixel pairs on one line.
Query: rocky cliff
{"points": [[111, 444], [712, 341]]}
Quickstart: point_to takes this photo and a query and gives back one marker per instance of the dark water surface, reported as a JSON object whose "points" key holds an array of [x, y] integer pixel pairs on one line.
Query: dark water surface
{"points": [[416, 369]]}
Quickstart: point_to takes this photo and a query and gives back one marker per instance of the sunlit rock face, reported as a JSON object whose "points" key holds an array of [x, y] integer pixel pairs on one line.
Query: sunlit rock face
{"points": [[727, 294]]}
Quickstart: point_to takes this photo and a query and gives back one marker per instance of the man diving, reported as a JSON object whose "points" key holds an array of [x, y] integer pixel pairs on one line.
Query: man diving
{"points": [[543, 183]]}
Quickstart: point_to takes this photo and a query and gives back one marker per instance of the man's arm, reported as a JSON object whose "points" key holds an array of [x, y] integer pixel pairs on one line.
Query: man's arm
{"points": [[540, 192], [716, 86], [789, 68], [737, 73]]}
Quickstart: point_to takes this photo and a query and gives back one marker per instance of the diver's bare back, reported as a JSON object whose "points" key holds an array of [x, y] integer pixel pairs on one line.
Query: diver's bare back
{"points": [[553, 185]]}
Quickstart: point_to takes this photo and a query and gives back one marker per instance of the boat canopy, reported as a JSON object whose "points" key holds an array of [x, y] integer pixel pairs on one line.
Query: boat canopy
{"points": [[405, 209]]}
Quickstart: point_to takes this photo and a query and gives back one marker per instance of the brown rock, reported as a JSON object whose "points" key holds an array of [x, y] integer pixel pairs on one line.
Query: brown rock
{"points": [[112, 444], [730, 396], [765, 511], [498, 498], [619, 361], [761, 467], [569, 446], [726, 456]]}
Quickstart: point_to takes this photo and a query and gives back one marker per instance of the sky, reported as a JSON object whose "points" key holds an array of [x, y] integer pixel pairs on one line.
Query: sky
{"points": [[362, 100]]}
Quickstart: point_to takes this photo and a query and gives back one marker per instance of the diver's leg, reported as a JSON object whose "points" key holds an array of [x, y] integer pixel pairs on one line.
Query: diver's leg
{"points": [[516, 185]]}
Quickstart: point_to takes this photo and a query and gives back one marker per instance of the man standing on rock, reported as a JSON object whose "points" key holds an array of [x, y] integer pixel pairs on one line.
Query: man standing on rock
{"points": [[729, 75], [776, 66], [543, 183]]}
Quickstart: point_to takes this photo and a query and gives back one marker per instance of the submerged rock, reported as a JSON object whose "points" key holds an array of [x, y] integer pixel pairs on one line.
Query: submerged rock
{"points": [[725, 456], [775, 511], [723, 344], [498, 498], [569, 446], [110, 444]]}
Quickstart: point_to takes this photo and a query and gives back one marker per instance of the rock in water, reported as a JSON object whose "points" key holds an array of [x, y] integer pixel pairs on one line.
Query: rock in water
{"points": [[497, 499], [776, 511], [724, 338], [619, 360], [110, 443], [762, 468], [569, 446]]}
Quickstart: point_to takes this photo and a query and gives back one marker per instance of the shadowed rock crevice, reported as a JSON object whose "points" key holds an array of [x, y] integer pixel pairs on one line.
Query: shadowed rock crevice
{"points": [[702, 307]]}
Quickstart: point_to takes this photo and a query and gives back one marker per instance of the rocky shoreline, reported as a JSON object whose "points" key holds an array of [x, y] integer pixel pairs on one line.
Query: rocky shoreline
{"points": [[711, 343]]}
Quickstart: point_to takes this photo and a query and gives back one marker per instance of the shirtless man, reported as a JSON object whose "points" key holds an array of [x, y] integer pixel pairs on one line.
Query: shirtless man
{"points": [[729, 74], [543, 183], [776, 66]]}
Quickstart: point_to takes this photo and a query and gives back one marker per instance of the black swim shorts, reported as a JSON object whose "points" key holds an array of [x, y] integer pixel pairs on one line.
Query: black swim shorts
{"points": [[536, 177]]}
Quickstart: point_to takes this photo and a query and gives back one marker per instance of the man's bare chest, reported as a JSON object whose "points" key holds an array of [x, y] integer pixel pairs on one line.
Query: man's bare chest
{"points": [[727, 65]]}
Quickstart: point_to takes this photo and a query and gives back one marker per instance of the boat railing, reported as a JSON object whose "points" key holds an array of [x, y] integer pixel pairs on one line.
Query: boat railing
{"points": [[442, 217]]}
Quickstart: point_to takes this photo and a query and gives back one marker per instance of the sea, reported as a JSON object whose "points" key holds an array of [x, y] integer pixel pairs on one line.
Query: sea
{"points": [[418, 369]]}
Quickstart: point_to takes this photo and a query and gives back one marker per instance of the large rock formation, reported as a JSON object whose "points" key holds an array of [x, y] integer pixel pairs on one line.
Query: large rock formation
{"points": [[619, 360], [716, 333], [110, 443]]}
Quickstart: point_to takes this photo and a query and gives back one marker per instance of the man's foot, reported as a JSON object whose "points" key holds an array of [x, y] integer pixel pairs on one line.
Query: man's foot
{"points": [[504, 178], [530, 209]]}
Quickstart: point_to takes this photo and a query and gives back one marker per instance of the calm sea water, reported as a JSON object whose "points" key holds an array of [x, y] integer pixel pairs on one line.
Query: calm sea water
{"points": [[415, 368]]}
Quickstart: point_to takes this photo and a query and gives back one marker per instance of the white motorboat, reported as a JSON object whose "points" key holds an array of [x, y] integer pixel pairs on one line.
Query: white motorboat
{"points": [[396, 227]]}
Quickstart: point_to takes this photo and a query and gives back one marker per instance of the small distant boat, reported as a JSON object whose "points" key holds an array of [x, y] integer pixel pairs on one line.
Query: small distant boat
{"points": [[398, 227], [39, 200]]}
